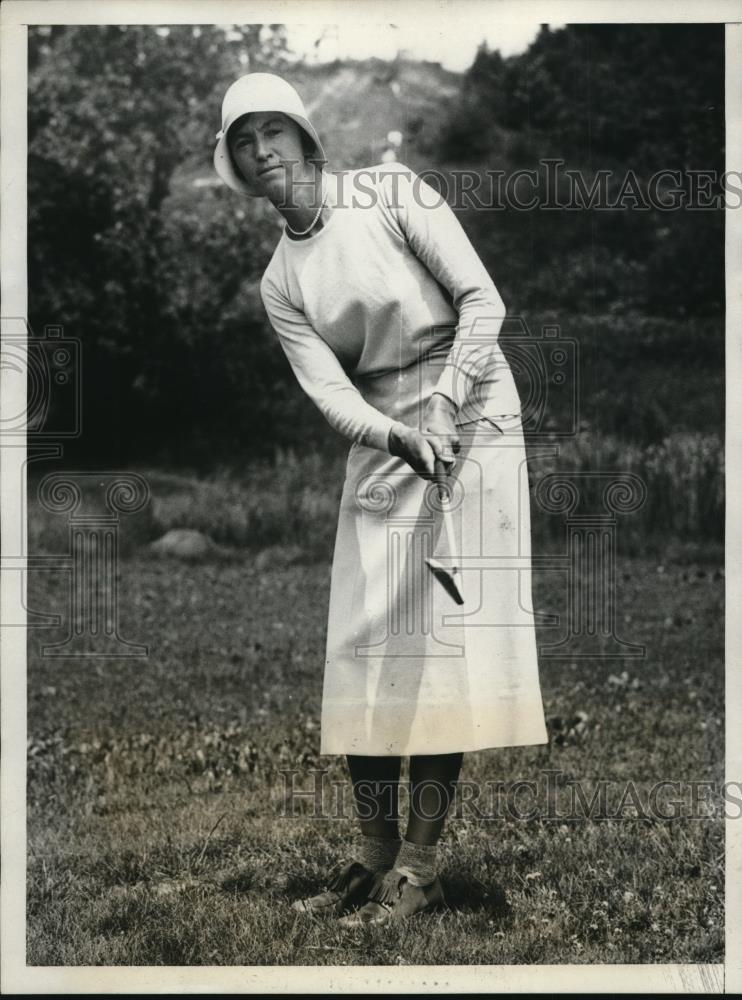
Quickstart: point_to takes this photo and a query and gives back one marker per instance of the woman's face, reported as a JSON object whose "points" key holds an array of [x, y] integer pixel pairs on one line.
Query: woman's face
{"points": [[268, 151]]}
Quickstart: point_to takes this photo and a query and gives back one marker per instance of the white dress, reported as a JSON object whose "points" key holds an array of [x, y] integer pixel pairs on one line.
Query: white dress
{"points": [[385, 305]]}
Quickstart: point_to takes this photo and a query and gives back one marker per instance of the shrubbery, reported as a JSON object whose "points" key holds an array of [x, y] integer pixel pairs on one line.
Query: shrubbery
{"points": [[158, 275]]}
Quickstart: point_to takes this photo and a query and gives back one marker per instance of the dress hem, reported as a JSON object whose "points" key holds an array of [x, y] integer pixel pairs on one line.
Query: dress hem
{"points": [[431, 750]]}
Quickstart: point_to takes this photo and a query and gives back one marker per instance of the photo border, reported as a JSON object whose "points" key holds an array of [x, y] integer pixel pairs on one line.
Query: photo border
{"points": [[15, 976]]}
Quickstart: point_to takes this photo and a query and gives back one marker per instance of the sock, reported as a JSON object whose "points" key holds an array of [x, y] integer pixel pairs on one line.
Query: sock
{"points": [[417, 862], [378, 853]]}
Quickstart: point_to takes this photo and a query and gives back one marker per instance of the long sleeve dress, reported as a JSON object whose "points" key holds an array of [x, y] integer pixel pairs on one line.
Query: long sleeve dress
{"points": [[386, 304]]}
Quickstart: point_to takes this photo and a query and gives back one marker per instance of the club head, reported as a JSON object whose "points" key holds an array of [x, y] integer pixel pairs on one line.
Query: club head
{"points": [[447, 578]]}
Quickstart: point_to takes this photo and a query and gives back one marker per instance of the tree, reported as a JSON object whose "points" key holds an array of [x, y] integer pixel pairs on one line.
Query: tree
{"points": [[116, 114], [639, 97]]}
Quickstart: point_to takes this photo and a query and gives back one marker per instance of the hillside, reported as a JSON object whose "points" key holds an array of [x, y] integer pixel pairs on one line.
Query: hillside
{"points": [[355, 104]]}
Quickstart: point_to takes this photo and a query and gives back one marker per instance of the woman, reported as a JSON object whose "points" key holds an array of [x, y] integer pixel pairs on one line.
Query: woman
{"points": [[390, 322]]}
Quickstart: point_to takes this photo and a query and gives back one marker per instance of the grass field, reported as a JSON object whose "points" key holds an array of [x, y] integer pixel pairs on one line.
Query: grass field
{"points": [[161, 832]]}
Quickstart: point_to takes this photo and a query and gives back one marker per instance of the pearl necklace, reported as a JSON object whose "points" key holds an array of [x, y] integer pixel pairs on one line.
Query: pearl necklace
{"points": [[313, 223]]}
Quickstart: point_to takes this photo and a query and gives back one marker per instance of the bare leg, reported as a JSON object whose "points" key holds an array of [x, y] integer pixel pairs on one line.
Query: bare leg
{"points": [[432, 783], [376, 791]]}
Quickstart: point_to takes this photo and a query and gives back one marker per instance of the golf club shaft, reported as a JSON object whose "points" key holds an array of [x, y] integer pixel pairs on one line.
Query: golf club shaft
{"points": [[444, 492], [440, 476]]}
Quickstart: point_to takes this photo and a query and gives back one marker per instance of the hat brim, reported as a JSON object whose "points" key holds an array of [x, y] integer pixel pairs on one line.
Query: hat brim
{"points": [[223, 161]]}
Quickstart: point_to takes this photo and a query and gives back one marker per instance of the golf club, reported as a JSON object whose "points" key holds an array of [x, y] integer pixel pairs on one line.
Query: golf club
{"points": [[448, 577]]}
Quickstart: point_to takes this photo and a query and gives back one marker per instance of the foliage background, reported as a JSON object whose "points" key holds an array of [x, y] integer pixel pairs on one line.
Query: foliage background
{"points": [[138, 251]]}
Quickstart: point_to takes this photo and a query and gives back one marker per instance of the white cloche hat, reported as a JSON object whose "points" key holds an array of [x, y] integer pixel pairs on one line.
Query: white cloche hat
{"points": [[258, 92]]}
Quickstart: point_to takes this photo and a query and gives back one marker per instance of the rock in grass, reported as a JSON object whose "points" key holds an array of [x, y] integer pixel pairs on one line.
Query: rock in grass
{"points": [[187, 544]]}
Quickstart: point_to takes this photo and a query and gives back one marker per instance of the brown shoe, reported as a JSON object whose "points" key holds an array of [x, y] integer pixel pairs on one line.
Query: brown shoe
{"points": [[347, 887], [393, 897]]}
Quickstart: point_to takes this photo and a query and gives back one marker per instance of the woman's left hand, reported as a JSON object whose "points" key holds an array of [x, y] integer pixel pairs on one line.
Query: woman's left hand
{"points": [[439, 428]]}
